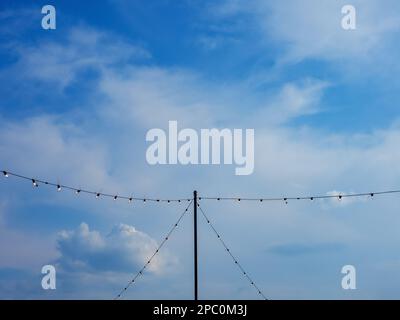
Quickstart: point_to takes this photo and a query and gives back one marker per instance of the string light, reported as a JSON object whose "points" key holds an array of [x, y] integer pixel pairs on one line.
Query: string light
{"points": [[231, 255], [59, 187], [36, 182], [166, 238], [286, 200], [311, 197]]}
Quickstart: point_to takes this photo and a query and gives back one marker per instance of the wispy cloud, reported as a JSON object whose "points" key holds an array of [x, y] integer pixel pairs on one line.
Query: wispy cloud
{"points": [[311, 29]]}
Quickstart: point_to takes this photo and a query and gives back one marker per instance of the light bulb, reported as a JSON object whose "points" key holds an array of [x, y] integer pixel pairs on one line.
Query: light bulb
{"points": [[58, 188], [5, 174]]}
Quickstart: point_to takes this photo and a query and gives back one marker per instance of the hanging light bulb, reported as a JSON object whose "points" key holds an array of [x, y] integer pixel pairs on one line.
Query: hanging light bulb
{"points": [[340, 198], [34, 183], [130, 199], [97, 195], [115, 198], [78, 191], [58, 188], [5, 174]]}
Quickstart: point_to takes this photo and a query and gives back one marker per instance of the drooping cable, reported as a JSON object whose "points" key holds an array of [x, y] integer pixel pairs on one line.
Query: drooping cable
{"points": [[166, 238], [59, 187], [235, 260]]}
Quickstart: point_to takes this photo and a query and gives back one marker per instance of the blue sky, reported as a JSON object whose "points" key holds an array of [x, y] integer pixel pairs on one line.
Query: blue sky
{"points": [[77, 103]]}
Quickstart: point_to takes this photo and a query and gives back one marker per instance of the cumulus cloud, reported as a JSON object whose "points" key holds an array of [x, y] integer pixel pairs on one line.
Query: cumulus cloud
{"points": [[123, 250]]}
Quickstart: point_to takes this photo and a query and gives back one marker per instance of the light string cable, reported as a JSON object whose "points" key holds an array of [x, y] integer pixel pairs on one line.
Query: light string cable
{"points": [[338, 196], [36, 182], [231, 254], [166, 238]]}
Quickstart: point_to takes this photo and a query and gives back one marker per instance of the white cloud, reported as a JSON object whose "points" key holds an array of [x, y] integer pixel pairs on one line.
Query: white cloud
{"points": [[293, 100], [84, 48], [123, 250], [312, 28], [52, 144]]}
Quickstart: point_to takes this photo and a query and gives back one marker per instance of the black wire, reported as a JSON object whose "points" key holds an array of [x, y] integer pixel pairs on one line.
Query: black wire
{"points": [[338, 196], [231, 254], [124, 289], [262, 199], [95, 193]]}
